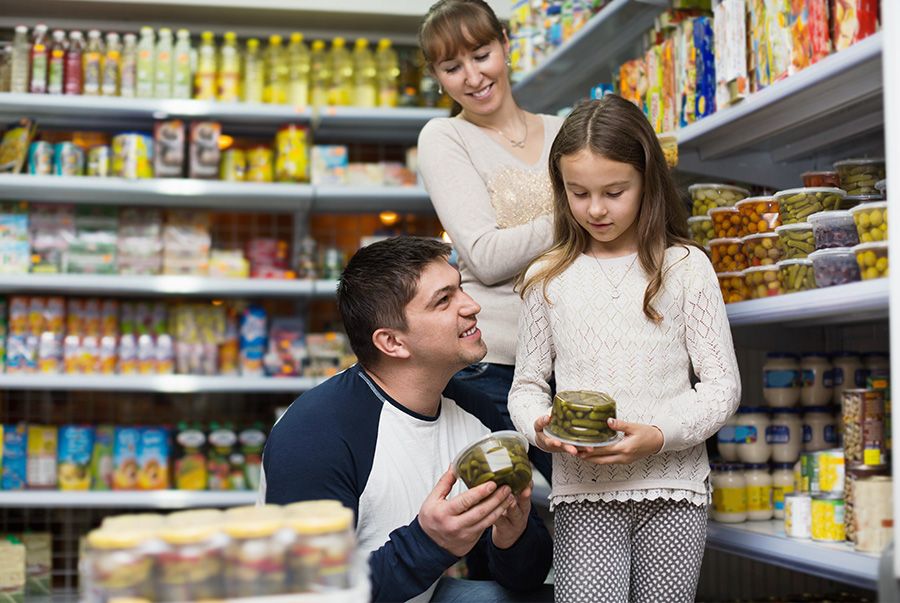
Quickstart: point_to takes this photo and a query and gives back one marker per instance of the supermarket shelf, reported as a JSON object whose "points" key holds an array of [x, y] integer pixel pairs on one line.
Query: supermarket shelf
{"points": [[360, 124], [195, 286], [766, 541], [159, 192], [361, 199], [168, 384], [853, 302], [144, 499], [591, 56]]}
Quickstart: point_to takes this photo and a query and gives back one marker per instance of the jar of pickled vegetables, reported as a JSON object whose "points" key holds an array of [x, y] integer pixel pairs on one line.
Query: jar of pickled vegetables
{"points": [[255, 563], [759, 214], [120, 564], [798, 274], [320, 557]]}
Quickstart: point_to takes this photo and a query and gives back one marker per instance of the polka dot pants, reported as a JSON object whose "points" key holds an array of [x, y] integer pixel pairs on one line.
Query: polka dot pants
{"points": [[637, 551]]}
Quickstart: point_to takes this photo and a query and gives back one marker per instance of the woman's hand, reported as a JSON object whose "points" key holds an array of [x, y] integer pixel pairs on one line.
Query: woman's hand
{"points": [[548, 443], [639, 441]]}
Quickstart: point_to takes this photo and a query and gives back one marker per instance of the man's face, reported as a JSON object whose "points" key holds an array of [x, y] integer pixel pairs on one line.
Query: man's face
{"points": [[441, 321]]}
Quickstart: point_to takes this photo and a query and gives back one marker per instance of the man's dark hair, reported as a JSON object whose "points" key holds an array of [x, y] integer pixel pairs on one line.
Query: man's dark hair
{"points": [[378, 283]]}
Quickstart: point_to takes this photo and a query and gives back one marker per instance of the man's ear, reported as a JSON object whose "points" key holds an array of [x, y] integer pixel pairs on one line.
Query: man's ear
{"points": [[390, 343]]}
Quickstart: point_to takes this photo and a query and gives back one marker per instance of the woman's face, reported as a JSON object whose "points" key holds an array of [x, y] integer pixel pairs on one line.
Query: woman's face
{"points": [[477, 78]]}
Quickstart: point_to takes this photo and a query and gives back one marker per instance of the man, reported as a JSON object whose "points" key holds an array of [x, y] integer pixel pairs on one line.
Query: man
{"points": [[380, 437]]}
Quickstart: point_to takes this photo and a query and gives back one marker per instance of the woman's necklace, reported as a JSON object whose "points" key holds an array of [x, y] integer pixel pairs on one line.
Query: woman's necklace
{"points": [[615, 286], [514, 143]]}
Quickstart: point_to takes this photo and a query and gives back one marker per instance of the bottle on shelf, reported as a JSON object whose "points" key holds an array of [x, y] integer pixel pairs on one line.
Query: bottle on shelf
{"points": [[388, 74], [182, 74], [252, 88], [92, 73], [339, 92], [429, 91], [128, 69], [112, 63], [409, 79], [40, 56], [74, 71], [162, 77], [277, 72], [365, 83], [56, 66], [229, 69], [205, 77], [146, 54], [20, 70], [320, 74], [299, 61], [5, 64]]}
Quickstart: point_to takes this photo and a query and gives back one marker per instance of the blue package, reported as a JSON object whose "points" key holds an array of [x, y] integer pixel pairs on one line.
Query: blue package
{"points": [[15, 457], [706, 67]]}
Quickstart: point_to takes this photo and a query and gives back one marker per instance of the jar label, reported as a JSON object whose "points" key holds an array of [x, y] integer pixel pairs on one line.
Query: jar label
{"points": [[807, 378], [778, 493], [859, 378], [726, 435], [759, 498], [730, 500], [780, 379], [807, 434], [837, 377], [828, 378], [778, 434], [830, 436], [745, 434]]}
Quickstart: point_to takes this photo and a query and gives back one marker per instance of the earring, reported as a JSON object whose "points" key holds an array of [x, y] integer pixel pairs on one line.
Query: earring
{"points": [[508, 62], [440, 89]]}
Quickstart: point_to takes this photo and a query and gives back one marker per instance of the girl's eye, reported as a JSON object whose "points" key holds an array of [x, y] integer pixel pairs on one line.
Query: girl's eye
{"points": [[616, 194], [579, 195]]}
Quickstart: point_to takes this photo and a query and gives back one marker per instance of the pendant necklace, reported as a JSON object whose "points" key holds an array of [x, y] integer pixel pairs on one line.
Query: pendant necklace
{"points": [[615, 286], [514, 143]]}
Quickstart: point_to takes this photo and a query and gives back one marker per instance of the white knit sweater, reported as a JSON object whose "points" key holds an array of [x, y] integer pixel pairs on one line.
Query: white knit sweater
{"points": [[496, 209], [595, 342]]}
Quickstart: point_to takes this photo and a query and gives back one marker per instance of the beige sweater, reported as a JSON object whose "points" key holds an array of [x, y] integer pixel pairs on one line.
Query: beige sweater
{"points": [[496, 210], [595, 342]]}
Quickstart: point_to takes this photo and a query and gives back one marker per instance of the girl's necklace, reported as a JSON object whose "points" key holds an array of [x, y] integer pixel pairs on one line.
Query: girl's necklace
{"points": [[615, 286], [514, 143]]}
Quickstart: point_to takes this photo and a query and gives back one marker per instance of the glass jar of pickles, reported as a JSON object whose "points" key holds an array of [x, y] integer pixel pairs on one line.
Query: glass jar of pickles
{"points": [[728, 255], [320, 557], [255, 563], [762, 249], [580, 417], [189, 568], [797, 204], [726, 222], [120, 563], [759, 214]]}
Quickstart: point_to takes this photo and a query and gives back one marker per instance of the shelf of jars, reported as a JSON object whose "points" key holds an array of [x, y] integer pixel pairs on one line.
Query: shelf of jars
{"points": [[131, 499], [166, 384], [590, 56], [766, 541], [852, 302]]}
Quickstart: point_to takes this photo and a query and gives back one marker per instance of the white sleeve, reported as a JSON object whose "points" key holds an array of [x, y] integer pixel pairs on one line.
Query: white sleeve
{"points": [[463, 205]]}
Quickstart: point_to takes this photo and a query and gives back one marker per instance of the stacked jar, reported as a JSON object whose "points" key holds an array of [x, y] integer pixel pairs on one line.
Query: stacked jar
{"points": [[729, 493], [714, 214], [785, 435], [750, 429], [759, 491]]}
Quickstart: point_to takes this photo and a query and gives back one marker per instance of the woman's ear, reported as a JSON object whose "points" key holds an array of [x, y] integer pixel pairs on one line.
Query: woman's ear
{"points": [[390, 343]]}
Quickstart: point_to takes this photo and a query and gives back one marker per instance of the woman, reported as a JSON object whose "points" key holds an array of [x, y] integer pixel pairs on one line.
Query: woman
{"points": [[486, 172]]}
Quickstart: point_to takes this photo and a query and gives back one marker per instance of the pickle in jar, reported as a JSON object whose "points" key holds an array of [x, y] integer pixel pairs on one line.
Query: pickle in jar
{"points": [[501, 457], [580, 417]]}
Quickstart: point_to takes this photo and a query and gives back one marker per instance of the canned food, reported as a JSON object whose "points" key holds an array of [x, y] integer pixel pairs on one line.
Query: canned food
{"points": [[40, 158], [798, 515], [852, 476], [874, 513], [864, 433], [132, 155], [827, 512], [98, 161], [234, 166], [822, 471], [292, 158], [259, 164], [68, 159]]}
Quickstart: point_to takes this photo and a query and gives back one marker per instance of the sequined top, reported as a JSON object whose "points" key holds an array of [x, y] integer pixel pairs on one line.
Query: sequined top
{"points": [[496, 209]]}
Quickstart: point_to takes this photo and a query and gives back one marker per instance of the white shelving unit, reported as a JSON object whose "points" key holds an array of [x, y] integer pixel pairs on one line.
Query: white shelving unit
{"points": [[166, 384], [131, 499]]}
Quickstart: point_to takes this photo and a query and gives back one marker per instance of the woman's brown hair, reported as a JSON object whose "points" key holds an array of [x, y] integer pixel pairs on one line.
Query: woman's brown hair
{"points": [[615, 129]]}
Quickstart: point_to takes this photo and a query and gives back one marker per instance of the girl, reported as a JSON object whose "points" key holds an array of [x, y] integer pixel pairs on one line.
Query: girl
{"points": [[624, 303], [486, 172]]}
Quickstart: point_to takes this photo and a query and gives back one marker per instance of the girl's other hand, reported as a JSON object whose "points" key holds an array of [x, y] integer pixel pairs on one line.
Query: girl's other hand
{"points": [[639, 441], [548, 443]]}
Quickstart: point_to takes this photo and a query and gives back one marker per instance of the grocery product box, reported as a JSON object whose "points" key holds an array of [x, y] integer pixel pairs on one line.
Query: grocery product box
{"points": [[203, 153], [252, 441], [329, 164], [226, 469], [76, 444], [42, 457], [189, 458], [15, 457], [153, 452], [102, 458], [12, 570], [125, 458], [169, 139], [38, 562]]}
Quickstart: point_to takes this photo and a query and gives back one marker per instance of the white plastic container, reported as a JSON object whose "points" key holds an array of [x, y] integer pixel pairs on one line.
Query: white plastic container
{"points": [[782, 484], [816, 379], [781, 380], [725, 440], [848, 373], [819, 431], [729, 494], [750, 435], [785, 435], [759, 492]]}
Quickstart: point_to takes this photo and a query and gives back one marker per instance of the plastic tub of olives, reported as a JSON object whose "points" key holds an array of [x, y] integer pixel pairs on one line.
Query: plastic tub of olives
{"points": [[579, 417], [501, 457]]}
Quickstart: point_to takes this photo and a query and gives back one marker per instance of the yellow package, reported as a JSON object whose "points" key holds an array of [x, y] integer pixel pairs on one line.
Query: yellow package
{"points": [[41, 468]]}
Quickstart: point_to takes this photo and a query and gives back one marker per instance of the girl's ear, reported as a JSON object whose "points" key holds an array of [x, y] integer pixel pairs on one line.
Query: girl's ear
{"points": [[390, 343]]}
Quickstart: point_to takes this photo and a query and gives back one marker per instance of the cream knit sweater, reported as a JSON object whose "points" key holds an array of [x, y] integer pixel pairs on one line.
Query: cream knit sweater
{"points": [[595, 342], [496, 210]]}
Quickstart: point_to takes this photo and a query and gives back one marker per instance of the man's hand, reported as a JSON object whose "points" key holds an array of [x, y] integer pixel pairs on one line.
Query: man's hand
{"points": [[640, 441], [457, 524], [512, 524]]}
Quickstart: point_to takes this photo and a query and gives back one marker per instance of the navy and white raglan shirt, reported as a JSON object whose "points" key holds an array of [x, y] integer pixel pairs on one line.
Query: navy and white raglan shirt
{"points": [[347, 440]]}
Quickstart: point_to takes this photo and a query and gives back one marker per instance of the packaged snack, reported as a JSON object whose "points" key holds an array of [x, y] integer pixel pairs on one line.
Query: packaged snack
{"points": [[819, 37], [203, 158], [68, 160], [153, 451], [801, 47], [853, 20], [14, 146], [687, 83], [168, 161], [253, 341], [730, 52], [42, 453], [99, 161], [260, 164], [758, 45], [778, 37], [233, 167], [706, 67], [287, 347], [329, 164], [76, 443], [15, 457], [653, 103]]}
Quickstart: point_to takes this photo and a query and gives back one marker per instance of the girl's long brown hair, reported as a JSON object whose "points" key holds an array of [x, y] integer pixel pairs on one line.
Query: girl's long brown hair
{"points": [[617, 130]]}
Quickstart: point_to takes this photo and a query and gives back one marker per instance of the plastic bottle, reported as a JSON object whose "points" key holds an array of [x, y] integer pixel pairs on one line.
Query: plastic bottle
{"points": [[388, 74], [20, 71], [319, 74], [162, 78], [93, 64], [182, 76], [74, 74], [228, 87], [299, 61], [40, 57], [128, 70], [146, 54], [112, 62], [205, 77], [277, 72], [365, 84], [340, 90], [252, 88], [56, 67]]}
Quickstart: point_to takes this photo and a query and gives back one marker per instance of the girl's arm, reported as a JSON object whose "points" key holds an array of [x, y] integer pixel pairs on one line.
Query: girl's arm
{"points": [[463, 205]]}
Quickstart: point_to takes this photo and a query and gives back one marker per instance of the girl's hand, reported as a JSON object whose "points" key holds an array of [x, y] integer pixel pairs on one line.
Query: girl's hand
{"points": [[548, 443], [640, 441]]}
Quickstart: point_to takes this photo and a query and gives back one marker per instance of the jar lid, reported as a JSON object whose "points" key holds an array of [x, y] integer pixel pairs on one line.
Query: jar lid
{"points": [[782, 465], [789, 411], [858, 161], [793, 226], [819, 173], [750, 200], [794, 262], [811, 189], [814, 355], [731, 467], [844, 353], [758, 235], [756, 466], [781, 355], [703, 218], [727, 187], [753, 410], [876, 354], [870, 245], [868, 207], [809, 409], [726, 240], [722, 210], [832, 251]]}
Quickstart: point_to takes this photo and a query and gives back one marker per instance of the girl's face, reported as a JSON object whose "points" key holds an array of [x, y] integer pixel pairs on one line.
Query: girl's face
{"points": [[476, 78], [605, 199]]}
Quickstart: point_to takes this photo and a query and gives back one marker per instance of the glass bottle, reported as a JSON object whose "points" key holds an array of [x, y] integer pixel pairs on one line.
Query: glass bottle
{"points": [[409, 79], [56, 67], [74, 72], [182, 76], [20, 69], [162, 79], [93, 64], [40, 57], [299, 60], [429, 91], [339, 93], [112, 62], [365, 91], [252, 88], [320, 74], [146, 53], [388, 74], [229, 71], [128, 70]]}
